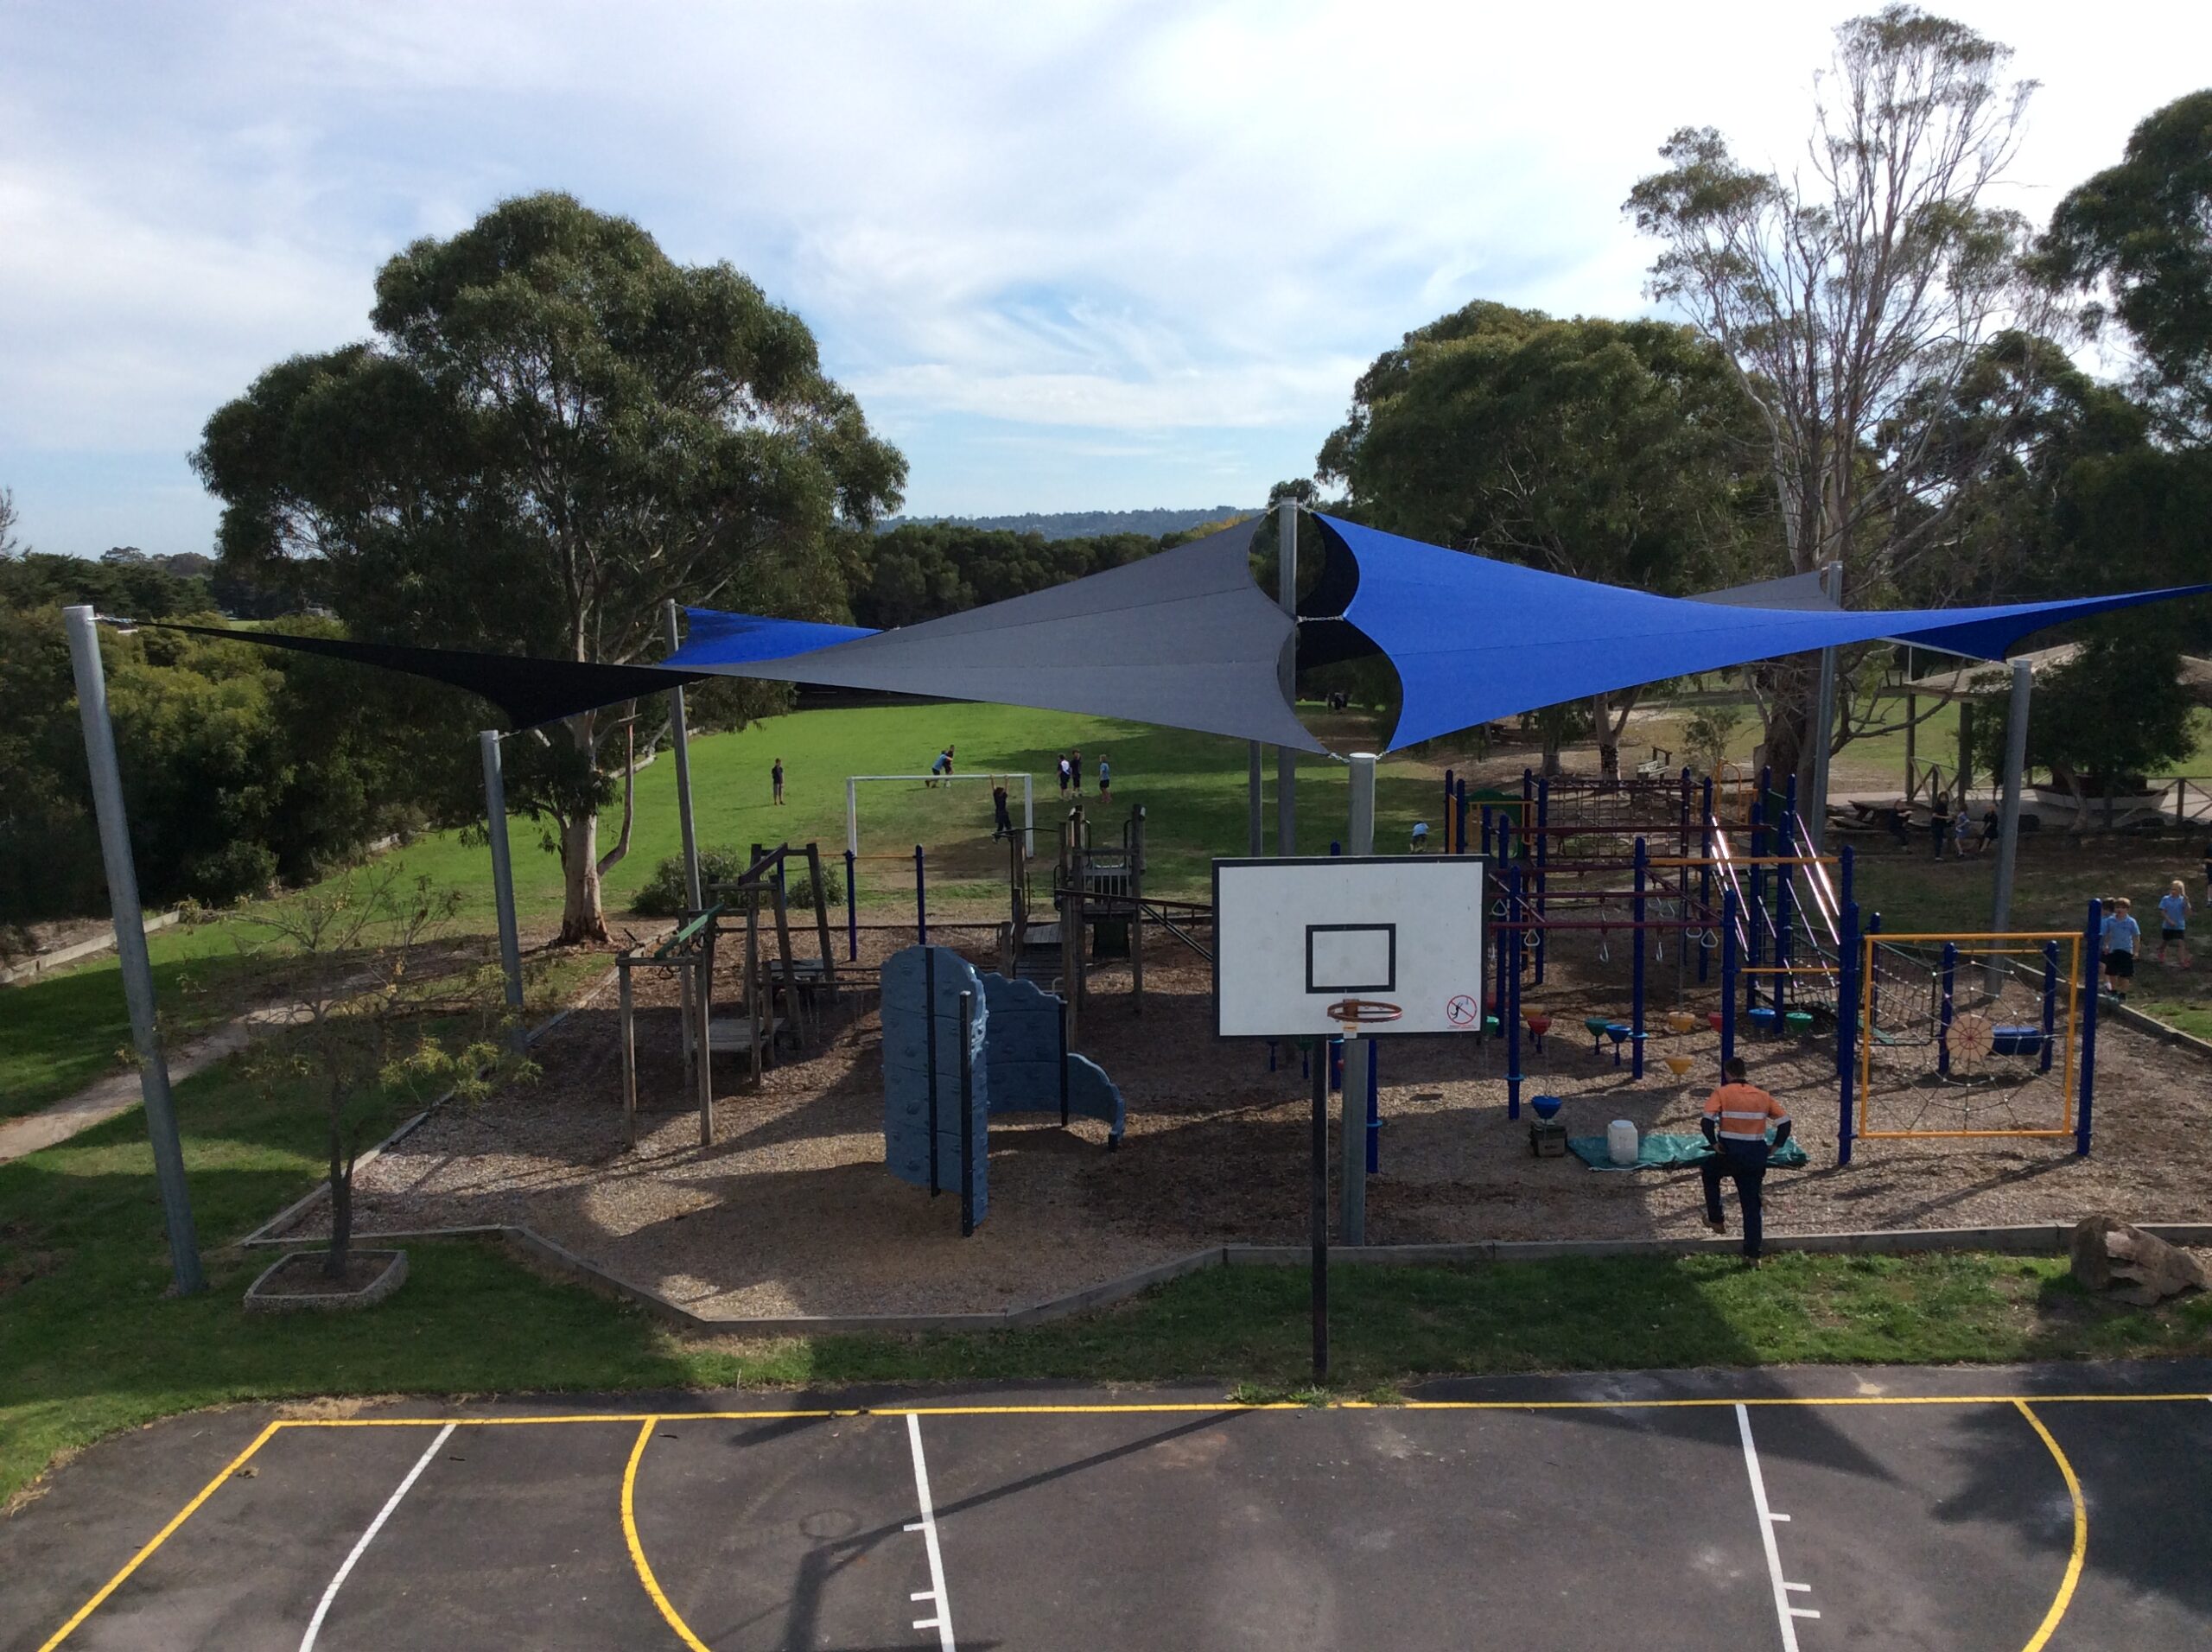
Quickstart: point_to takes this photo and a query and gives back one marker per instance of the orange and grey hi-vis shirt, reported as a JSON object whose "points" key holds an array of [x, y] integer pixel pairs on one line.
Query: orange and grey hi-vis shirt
{"points": [[1744, 1111]]}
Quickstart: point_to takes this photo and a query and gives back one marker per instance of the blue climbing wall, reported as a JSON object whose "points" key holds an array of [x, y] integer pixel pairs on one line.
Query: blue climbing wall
{"points": [[1028, 1064], [921, 986]]}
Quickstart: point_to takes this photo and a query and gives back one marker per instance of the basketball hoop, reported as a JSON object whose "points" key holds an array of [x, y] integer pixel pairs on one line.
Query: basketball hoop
{"points": [[1350, 1012]]}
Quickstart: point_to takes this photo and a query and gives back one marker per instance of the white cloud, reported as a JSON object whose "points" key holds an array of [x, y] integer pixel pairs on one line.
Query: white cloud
{"points": [[1162, 237]]}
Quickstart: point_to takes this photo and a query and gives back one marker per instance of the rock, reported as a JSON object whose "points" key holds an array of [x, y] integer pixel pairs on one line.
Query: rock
{"points": [[2105, 1251]]}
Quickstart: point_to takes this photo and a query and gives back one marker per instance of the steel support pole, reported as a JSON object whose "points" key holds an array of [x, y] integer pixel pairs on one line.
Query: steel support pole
{"points": [[2092, 933], [1256, 843], [2008, 820], [1360, 838], [503, 873], [1353, 1167], [1318, 1209], [137, 967], [1286, 674], [680, 738], [1824, 725]]}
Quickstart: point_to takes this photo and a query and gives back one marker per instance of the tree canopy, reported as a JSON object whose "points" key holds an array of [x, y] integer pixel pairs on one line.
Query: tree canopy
{"points": [[555, 428], [2139, 237]]}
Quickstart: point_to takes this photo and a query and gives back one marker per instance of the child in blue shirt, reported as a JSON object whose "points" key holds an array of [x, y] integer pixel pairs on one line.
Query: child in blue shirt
{"points": [[2122, 935], [2173, 921]]}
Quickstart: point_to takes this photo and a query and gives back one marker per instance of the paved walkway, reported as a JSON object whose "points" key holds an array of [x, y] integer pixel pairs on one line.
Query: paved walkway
{"points": [[119, 1092]]}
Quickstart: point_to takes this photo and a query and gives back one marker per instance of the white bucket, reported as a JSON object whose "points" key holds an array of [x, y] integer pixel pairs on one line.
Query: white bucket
{"points": [[1620, 1141]]}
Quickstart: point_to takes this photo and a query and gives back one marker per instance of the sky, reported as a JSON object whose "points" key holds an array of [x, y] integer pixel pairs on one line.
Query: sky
{"points": [[1070, 256]]}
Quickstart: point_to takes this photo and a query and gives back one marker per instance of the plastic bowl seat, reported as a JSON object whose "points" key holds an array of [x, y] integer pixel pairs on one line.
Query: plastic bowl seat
{"points": [[1544, 1107]]}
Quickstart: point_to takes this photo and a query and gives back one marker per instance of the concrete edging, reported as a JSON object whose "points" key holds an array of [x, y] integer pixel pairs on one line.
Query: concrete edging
{"points": [[2157, 1028], [62, 957], [2038, 1239]]}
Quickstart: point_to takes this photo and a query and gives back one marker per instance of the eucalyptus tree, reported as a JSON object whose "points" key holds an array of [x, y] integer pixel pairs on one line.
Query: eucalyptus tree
{"points": [[555, 427], [2137, 237], [1853, 292]]}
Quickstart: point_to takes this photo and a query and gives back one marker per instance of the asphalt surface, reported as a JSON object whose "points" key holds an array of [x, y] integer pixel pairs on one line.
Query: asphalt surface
{"points": [[1906, 1509]]}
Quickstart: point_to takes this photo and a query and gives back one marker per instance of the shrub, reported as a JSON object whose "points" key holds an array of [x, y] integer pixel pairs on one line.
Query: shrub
{"points": [[663, 896]]}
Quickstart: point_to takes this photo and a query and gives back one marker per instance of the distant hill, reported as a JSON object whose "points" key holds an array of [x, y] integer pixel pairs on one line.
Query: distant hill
{"points": [[1082, 524]]}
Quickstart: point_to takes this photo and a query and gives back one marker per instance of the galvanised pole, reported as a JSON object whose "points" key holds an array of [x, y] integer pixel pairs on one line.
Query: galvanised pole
{"points": [[130, 948]]}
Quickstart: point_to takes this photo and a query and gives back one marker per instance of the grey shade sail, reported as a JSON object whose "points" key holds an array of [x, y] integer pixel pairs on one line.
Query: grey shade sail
{"points": [[1184, 640], [1799, 591]]}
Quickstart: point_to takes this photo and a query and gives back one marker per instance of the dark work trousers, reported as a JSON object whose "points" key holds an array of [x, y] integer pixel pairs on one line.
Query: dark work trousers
{"points": [[1744, 1163]]}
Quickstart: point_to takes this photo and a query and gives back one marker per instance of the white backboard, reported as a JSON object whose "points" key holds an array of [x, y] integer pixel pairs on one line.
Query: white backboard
{"points": [[1293, 935]]}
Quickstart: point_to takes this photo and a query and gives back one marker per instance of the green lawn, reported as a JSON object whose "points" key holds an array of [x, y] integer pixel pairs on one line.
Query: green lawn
{"points": [[90, 1342]]}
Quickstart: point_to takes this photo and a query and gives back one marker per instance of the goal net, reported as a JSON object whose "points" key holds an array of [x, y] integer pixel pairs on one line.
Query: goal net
{"points": [[950, 817]]}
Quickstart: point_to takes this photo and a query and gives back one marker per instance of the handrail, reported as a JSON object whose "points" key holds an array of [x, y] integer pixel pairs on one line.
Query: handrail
{"points": [[688, 932]]}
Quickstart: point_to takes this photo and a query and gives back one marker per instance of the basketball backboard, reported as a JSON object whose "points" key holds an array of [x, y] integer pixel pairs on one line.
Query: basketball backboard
{"points": [[1293, 935]]}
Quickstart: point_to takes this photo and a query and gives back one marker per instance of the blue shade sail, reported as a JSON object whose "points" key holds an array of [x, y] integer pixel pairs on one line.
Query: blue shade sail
{"points": [[1473, 640], [714, 637]]}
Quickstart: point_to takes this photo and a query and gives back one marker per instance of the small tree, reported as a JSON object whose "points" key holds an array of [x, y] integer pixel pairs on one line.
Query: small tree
{"points": [[1707, 735], [379, 1005], [2114, 714]]}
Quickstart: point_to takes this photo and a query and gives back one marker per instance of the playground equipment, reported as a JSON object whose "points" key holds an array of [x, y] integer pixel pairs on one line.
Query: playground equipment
{"points": [[1960, 1035], [960, 1048], [1577, 858], [787, 1001], [1100, 913], [1547, 1137]]}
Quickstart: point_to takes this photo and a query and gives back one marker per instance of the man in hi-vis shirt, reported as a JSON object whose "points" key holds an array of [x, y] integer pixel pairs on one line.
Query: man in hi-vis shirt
{"points": [[1735, 1117]]}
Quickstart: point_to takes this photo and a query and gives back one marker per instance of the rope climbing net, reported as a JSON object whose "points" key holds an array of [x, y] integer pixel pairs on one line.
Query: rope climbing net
{"points": [[1968, 1035]]}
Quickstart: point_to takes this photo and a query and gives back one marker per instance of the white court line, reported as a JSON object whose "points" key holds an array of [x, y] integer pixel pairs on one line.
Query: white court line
{"points": [[927, 1526], [1784, 1611], [322, 1606]]}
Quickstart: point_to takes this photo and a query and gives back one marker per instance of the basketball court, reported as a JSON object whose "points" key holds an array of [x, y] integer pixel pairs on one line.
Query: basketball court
{"points": [[2001, 1509]]}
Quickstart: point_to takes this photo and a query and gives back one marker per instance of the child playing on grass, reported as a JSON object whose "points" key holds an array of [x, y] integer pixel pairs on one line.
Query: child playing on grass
{"points": [[2122, 936], [2173, 921]]}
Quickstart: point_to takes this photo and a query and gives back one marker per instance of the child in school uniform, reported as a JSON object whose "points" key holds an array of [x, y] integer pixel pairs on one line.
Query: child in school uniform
{"points": [[2173, 921], [2123, 936]]}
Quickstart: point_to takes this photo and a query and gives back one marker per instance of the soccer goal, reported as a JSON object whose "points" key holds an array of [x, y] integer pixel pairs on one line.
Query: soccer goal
{"points": [[1295, 937], [950, 812]]}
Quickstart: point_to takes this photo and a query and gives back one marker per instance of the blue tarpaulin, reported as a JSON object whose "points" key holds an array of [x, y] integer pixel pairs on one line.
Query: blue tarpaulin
{"points": [[1473, 638]]}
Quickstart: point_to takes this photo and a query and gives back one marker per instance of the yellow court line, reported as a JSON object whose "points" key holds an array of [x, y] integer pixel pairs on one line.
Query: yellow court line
{"points": [[637, 1549], [158, 1539], [532, 1422], [1190, 1406], [2065, 1596]]}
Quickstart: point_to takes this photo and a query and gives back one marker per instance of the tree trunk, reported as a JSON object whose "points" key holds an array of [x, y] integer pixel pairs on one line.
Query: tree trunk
{"points": [[341, 1211], [1551, 749], [583, 922]]}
